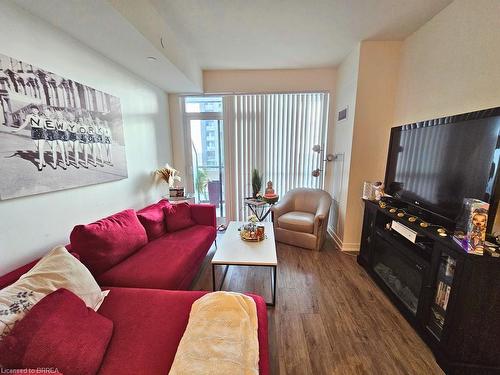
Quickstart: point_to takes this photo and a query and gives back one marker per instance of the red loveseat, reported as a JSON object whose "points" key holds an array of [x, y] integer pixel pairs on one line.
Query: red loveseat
{"points": [[148, 325], [139, 252]]}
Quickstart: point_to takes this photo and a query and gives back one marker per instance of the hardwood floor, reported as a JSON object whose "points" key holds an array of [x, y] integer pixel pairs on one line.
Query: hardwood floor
{"points": [[330, 317]]}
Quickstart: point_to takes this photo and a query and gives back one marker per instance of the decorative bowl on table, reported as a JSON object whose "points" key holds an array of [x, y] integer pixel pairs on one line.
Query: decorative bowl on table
{"points": [[252, 232]]}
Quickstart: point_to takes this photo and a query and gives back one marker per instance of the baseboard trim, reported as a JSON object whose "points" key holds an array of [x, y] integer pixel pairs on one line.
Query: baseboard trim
{"points": [[350, 247], [336, 240], [347, 247]]}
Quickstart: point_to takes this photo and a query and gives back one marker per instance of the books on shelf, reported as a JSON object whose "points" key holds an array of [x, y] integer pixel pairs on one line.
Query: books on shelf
{"points": [[438, 319], [450, 267], [442, 295]]}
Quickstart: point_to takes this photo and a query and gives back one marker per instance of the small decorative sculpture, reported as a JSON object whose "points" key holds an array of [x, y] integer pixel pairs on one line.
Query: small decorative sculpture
{"points": [[270, 196], [269, 189], [477, 229], [378, 190], [253, 219]]}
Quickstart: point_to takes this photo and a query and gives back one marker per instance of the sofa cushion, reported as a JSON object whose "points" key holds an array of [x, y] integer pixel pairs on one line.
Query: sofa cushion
{"points": [[179, 217], [108, 241], [147, 339], [153, 219], [59, 332], [297, 221], [57, 269], [169, 262]]}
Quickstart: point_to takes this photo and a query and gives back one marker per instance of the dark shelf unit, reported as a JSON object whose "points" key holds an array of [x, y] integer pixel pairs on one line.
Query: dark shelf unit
{"points": [[450, 297]]}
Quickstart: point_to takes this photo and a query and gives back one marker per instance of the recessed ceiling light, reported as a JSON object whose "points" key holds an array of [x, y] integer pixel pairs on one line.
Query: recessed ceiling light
{"points": [[152, 58]]}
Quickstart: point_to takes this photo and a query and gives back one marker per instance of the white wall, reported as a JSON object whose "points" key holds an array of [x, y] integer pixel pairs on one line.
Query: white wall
{"points": [[451, 64], [30, 226], [180, 162], [341, 133], [267, 81], [377, 83]]}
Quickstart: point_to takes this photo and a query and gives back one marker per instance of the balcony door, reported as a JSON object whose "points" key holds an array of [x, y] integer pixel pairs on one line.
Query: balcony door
{"points": [[203, 116]]}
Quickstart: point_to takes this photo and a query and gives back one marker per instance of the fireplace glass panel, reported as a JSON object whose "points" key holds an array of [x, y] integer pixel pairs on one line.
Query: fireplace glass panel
{"points": [[401, 275]]}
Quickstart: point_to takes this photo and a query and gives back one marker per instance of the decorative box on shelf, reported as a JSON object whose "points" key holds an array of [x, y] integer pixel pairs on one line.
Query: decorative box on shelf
{"points": [[176, 192]]}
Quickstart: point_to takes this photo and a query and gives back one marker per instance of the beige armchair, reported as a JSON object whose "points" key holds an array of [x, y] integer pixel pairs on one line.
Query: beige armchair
{"points": [[301, 217]]}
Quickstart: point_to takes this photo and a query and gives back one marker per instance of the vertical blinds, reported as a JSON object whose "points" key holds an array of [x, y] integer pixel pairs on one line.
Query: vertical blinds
{"points": [[273, 133]]}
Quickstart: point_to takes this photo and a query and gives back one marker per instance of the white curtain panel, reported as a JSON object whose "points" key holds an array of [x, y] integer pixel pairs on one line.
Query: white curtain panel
{"points": [[273, 133]]}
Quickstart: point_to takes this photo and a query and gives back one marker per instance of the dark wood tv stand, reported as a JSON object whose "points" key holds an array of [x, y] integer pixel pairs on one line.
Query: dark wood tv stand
{"points": [[450, 297]]}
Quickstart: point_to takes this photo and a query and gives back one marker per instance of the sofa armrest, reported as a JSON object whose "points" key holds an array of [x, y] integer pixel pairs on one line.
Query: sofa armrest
{"points": [[204, 214], [321, 214]]}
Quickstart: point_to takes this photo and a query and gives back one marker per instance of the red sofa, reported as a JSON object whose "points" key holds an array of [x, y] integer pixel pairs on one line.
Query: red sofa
{"points": [[148, 311], [170, 260], [148, 325]]}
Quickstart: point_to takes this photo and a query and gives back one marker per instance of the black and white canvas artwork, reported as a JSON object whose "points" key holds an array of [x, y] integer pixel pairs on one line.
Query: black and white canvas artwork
{"points": [[55, 133]]}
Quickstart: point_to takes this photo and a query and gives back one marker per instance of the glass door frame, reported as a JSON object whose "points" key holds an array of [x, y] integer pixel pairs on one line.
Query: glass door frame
{"points": [[187, 117]]}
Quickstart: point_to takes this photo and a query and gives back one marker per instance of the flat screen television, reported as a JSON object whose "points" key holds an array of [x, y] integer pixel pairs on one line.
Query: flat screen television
{"points": [[435, 164]]}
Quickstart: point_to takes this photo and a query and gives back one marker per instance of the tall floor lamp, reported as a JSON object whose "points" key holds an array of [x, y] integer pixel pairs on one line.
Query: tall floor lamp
{"points": [[318, 172]]}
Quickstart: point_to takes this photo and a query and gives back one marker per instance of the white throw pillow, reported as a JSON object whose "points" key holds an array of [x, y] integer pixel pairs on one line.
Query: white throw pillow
{"points": [[58, 269]]}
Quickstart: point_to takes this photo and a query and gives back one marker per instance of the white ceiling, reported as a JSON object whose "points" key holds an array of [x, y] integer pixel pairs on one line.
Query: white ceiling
{"points": [[101, 26], [186, 36], [267, 34]]}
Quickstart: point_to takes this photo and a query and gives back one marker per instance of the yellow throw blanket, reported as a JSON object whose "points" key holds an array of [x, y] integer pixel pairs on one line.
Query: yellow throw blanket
{"points": [[220, 338]]}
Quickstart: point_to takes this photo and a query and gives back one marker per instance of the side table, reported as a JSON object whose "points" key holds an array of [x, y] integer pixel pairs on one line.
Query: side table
{"points": [[188, 198], [260, 208]]}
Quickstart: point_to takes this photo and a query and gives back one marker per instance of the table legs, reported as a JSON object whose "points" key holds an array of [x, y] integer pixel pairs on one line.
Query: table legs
{"points": [[213, 277], [274, 273], [223, 277], [262, 214], [273, 280]]}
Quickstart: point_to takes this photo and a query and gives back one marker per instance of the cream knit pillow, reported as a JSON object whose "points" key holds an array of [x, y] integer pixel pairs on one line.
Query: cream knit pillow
{"points": [[58, 269]]}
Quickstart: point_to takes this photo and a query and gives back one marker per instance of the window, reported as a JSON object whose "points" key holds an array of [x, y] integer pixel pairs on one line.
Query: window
{"points": [[273, 133], [203, 104], [203, 118]]}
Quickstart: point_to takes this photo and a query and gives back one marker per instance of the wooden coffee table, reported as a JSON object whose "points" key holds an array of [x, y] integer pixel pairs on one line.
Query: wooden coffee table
{"points": [[233, 251]]}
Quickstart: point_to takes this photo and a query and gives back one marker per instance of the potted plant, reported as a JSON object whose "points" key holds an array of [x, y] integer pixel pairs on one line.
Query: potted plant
{"points": [[201, 183], [168, 174], [256, 183]]}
